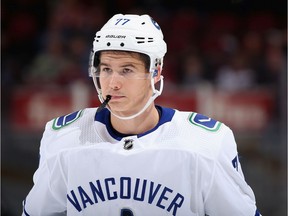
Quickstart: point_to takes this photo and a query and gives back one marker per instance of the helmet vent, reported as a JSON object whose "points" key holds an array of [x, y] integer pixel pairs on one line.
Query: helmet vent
{"points": [[144, 40]]}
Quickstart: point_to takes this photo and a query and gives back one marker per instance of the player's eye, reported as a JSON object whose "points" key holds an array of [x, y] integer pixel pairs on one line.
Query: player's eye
{"points": [[127, 71], [106, 70]]}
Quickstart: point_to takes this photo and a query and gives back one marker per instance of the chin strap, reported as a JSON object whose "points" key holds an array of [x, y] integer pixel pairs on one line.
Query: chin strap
{"points": [[155, 94]]}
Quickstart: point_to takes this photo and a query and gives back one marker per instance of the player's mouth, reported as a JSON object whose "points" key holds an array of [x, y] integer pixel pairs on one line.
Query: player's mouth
{"points": [[116, 97]]}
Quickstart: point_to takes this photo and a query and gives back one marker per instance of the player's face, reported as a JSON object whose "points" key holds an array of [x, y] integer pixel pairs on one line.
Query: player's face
{"points": [[124, 76]]}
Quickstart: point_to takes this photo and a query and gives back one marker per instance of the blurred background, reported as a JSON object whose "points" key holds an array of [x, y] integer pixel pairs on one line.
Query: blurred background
{"points": [[226, 59]]}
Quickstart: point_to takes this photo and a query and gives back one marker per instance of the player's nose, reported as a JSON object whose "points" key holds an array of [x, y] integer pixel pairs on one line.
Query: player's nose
{"points": [[115, 81]]}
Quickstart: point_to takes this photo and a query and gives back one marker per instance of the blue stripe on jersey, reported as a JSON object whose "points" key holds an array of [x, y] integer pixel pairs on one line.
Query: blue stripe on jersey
{"points": [[24, 210], [25, 213], [104, 117], [257, 213]]}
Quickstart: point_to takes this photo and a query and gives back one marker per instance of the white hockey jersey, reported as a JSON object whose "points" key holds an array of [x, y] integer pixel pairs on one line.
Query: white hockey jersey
{"points": [[186, 166]]}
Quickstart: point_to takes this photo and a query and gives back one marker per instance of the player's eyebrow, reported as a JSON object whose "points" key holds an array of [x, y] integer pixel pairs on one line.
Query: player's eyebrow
{"points": [[133, 65], [130, 65]]}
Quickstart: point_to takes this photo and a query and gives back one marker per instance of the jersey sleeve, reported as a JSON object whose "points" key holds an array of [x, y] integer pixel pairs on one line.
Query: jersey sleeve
{"points": [[42, 150], [60, 134], [229, 194], [46, 196]]}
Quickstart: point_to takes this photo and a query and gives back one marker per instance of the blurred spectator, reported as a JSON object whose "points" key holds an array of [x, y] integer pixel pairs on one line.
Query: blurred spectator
{"points": [[236, 75], [192, 72], [274, 71], [78, 52], [275, 59], [47, 66], [67, 40], [252, 44]]}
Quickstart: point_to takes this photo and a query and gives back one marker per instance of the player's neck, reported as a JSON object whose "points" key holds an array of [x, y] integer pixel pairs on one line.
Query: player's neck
{"points": [[140, 124]]}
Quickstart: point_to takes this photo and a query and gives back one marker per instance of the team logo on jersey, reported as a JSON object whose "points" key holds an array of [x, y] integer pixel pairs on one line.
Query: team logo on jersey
{"points": [[204, 122], [66, 120]]}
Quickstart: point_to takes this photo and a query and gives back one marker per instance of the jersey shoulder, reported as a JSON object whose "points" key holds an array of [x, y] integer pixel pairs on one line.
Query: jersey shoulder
{"points": [[69, 130], [205, 122], [203, 134], [70, 119], [200, 122], [70, 125]]}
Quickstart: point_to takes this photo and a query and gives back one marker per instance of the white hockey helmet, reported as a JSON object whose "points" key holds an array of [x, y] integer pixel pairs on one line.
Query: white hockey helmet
{"points": [[135, 33]]}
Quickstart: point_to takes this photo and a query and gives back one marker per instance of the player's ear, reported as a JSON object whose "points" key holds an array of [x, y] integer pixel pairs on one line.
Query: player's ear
{"points": [[157, 74]]}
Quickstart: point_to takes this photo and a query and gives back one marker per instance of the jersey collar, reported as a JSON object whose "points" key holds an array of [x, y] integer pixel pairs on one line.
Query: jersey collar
{"points": [[104, 118]]}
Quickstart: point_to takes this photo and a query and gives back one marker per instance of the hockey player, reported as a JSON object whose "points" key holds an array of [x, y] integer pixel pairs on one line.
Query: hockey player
{"points": [[130, 157]]}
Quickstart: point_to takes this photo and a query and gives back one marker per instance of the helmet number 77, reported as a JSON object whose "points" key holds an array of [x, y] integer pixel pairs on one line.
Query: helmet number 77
{"points": [[123, 21]]}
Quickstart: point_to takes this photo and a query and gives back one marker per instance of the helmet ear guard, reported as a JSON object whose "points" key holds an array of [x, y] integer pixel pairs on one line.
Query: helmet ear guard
{"points": [[158, 65]]}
